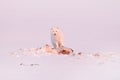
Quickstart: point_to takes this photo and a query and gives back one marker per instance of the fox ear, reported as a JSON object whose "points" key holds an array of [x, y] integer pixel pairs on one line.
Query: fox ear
{"points": [[57, 27]]}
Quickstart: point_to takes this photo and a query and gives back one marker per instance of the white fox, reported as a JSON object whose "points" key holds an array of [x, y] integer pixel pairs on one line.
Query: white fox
{"points": [[57, 37]]}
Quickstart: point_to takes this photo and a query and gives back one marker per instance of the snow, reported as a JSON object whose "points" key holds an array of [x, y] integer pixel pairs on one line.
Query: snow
{"points": [[88, 25], [33, 64]]}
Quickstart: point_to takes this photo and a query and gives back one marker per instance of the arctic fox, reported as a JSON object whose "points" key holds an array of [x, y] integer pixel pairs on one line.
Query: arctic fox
{"points": [[57, 37]]}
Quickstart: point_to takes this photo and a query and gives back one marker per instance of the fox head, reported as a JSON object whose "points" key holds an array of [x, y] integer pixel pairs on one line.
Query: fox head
{"points": [[55, 30]]}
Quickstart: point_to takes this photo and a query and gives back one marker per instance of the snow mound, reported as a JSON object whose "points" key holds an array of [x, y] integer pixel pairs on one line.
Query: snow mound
{"points": [[39, 63], [100, 57]]}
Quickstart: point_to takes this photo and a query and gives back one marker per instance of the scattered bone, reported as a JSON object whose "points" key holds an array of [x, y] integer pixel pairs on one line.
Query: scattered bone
{"points": [[80, 53], [22, 64], [96, 55]]}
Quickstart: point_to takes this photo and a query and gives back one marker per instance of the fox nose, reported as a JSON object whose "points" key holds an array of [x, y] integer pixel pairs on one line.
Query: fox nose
{"points": [[55, 34]]}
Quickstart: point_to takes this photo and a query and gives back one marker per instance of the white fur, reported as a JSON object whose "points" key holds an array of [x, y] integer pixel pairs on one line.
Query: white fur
{"points": [[57, 38]]}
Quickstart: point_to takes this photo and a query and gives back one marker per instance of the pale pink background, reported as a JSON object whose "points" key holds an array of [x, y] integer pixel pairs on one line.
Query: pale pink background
{"points": [[88, 25]]}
